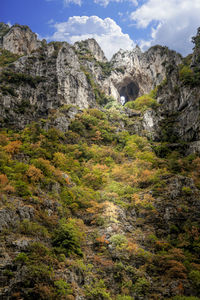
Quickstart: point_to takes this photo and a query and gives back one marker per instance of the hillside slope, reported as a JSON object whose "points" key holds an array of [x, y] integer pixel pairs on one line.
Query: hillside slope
{"points": [[98, 200]]}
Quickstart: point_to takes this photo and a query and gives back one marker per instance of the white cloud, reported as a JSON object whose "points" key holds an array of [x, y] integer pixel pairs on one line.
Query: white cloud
{"points": [[106, 32], [106, 2], [51, 21], [78, 2], [172, 22]]}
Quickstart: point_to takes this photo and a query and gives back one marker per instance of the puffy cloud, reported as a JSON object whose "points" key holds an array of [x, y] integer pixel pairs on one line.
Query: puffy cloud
{"points": [[106, 2], [172, 22], [106, 32]]}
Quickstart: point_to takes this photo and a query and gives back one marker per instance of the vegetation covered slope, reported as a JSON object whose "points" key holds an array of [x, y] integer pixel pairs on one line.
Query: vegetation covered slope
{"points": [[89, 207], [97, 213]]}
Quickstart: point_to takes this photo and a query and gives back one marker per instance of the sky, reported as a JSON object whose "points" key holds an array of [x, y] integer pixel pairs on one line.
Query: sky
{"points": [[115, 24]]}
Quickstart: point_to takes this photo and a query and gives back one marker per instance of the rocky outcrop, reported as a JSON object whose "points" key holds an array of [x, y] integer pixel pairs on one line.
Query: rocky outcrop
{"points": [[196, 54], [20, 40], [11, 217], [92, 46], [177, 117], [58, 74], [136, 73], [4, 28], [47, 79]]}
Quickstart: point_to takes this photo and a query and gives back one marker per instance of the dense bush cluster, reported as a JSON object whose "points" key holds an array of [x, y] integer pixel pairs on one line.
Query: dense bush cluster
{"points": [[75, 183], [143, 103]]}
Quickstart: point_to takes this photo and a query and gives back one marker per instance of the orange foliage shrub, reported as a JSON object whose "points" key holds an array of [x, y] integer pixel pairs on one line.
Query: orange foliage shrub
{"points": [[143, 200], [132, 247], [180, 289], [97, 136], [47, 169], [144, 177], [45, 291], [103, 261], [176, 269], [162, 245], [34, 174], [3, 180], [13, 147], [125, 173], [9, 189], [4, 184], [176, 253], [95, 209], [102, 240]]}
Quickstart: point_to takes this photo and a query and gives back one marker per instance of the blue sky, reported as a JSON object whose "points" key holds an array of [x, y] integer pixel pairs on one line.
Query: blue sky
{"points": [[114, 24]]}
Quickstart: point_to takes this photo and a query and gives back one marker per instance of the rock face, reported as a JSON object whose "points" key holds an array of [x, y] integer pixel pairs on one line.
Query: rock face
{"points": [[92, 46], [136, 73], [177, 118], [47, 79], [20, 40], [4, 28], [196, 55], [49, 76]]}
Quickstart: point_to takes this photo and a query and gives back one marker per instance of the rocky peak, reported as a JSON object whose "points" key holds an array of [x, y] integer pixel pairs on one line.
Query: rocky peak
{"points": [[92, 46], [137, 73], [19, 39]]}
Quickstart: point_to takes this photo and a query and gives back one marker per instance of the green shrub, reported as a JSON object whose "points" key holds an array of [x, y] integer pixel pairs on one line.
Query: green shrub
{"points": [[119, 241], [38, 273], [62, 288], [19, 78], [77, 126], [67, 238], [21, 258], [135, 144], [141, 287], [142, 103], [33, 229], [195, 278], [162, 150], [106, 68], [7, 57], [22, 189], [97, 290], [186, 190], [188, 76]]}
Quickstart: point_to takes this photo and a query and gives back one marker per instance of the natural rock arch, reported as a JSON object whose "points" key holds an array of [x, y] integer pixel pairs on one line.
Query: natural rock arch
{"points": [[128, 90]]}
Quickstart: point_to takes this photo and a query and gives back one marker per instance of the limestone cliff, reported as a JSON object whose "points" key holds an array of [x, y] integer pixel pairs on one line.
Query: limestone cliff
{"points": [[136, 73], [177, 118], [47, 79], [19, 39], [48, 76], [92, 46]]}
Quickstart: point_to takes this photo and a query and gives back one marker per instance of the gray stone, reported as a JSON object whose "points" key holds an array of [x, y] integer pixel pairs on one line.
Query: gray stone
{"points": [[20, 40]]}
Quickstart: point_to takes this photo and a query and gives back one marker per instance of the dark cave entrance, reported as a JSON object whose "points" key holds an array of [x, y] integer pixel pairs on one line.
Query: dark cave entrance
{"points": [[129, 92]]}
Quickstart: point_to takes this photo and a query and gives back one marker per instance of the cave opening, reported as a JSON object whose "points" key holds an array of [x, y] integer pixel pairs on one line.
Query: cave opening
{"points": [[129, 92]]}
